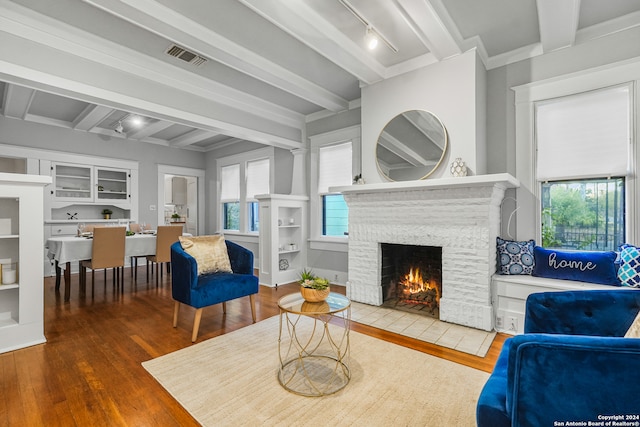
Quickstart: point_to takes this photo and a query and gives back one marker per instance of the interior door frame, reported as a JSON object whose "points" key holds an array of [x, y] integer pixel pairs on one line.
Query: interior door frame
{"points": [[199, 174]]}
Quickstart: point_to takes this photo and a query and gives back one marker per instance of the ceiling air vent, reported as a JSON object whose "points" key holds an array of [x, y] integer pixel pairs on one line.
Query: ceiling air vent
{"points": [[187, 56]]}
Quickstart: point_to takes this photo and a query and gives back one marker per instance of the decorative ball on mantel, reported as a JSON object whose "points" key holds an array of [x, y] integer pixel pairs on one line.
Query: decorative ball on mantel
{"points": [[458, 168]]}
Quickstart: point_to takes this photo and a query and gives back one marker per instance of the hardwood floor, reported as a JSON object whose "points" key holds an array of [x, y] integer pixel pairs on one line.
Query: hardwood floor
{"points": [[89, 372]]}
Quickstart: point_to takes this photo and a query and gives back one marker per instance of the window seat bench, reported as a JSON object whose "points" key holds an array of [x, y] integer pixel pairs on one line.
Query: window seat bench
{"points": [[509, 294]]}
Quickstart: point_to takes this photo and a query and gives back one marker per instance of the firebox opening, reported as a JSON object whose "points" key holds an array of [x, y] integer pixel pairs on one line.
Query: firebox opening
{"points": [[411, 278]]}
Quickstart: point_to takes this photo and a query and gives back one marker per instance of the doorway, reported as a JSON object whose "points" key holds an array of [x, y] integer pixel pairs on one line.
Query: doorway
{"points": [[180, 195]]}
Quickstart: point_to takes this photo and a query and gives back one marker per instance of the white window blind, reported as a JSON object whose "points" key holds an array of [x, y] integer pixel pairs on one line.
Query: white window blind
{"points": [[257, 178], [584, 136], [334, 165], [230, 186]]}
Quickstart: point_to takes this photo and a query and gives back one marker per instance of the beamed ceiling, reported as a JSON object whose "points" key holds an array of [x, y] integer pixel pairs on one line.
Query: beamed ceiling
{"points": [[253, 70]]}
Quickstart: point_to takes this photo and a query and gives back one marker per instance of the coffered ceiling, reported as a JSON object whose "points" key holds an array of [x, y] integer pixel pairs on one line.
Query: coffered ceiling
{"points": [[253, 69]]}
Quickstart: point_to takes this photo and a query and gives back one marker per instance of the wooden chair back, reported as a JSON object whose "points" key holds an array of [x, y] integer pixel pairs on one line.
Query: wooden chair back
{"points": [[108, 247], [166, 236]]}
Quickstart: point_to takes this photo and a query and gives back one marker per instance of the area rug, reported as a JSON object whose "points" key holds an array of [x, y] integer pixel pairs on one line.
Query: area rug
{"points": [[231, 380]]}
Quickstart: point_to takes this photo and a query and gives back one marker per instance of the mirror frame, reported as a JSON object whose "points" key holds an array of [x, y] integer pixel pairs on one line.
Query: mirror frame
{"points": [[436, 166]]}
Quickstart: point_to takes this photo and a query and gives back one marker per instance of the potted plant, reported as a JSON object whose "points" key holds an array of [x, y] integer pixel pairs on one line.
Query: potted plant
{"points": [[313, 288], [106, 213], [175, 217]]}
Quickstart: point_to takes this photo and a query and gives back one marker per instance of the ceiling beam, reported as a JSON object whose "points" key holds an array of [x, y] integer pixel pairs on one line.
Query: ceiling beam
{"points": [[428, 27], [190, 138], [17, 101], [303, 23], [169, 24], [91, 116], [558, 22], [124, 79]]}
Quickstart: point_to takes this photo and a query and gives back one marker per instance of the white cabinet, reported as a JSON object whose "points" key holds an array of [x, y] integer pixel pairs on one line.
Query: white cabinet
{"points": [[179, 190], [283, 237], [112, 185], [72, 182], [21, 293], [90, 184]]}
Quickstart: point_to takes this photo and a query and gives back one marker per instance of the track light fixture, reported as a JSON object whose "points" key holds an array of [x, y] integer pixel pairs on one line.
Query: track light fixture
{"points": [[372, 36], [119, 128]]}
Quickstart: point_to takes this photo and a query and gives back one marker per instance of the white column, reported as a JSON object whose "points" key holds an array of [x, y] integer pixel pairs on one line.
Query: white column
{"points": [[299, 175]]}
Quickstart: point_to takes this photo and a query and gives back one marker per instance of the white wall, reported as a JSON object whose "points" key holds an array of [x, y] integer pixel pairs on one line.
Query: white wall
{"points": [[453, 90]]}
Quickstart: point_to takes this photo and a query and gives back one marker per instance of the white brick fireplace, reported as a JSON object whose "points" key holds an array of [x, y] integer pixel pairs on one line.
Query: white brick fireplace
{"points": [[460, 215]]}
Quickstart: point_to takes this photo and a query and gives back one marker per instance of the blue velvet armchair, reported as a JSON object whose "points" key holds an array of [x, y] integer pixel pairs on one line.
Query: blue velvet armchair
{"points": [[209, 289], [571, 364]]}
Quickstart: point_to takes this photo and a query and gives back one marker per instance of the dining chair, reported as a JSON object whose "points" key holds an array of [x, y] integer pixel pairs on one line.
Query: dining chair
{"points": [[107, 252], [133, 261], [166, 235]]}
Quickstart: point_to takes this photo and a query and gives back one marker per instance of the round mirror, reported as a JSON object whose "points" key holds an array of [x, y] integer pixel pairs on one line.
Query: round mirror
{"points": [[411, 146]]}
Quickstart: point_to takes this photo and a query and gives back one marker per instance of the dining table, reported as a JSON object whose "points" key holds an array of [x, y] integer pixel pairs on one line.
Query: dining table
{"points": [[64, 250]]}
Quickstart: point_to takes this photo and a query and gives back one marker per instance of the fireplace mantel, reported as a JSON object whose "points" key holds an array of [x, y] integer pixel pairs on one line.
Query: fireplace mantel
{"points": [[460, 215], [502, 180]]}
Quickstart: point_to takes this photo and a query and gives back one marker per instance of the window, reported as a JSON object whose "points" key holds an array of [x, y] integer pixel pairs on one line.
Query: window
{"points": [[257, 183], [334, 169], [335, 159], [242, 177], [230, 197], [582, 159], [583, 214]]}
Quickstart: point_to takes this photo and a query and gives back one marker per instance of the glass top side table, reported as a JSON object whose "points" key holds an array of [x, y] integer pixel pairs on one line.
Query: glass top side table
{"points": [[313, 344]]}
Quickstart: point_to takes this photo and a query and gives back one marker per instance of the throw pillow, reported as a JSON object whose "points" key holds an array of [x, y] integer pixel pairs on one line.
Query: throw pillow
{"points": [[634, 329], [629, 271], [515, 257], [210, 253], [584, 266]]}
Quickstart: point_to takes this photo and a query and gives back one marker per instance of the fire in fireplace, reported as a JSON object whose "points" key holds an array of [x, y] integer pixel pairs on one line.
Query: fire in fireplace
{"points": [[411, 278]]}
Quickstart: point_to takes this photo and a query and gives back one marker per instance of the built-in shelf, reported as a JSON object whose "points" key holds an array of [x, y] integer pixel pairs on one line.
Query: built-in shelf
{"points": [[283, 222], [22, 303], [7, 322]]}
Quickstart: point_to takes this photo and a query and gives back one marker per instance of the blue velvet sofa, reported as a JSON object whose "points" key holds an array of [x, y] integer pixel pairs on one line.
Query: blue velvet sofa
{"points": [[199, 291], [572, 364]]}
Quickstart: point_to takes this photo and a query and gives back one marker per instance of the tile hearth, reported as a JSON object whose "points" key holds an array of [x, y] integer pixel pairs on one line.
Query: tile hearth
{"points": [[423, 328]]}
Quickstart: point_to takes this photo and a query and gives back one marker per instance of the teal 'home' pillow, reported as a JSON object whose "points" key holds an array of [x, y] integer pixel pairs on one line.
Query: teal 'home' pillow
{"points": [[629, 271], [515, 257], [584, 266]]}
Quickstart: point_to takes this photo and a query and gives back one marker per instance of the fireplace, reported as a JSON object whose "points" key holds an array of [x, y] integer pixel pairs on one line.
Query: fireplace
{"points": [[459, 215], [411, 278]]}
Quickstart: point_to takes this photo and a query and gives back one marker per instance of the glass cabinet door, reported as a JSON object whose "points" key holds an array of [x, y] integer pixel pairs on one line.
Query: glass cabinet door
{"points": [[72, 182], [113, 184]]}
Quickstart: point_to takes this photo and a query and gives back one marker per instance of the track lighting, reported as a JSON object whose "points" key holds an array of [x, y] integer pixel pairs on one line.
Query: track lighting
{"points": [[371, 38], [119, 128]]}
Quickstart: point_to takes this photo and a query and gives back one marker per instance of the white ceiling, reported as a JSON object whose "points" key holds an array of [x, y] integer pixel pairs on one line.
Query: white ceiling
{"points": [[270, 65]]}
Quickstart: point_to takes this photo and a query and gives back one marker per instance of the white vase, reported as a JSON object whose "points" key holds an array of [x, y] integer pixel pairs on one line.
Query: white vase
{"points": [[458, 168]]}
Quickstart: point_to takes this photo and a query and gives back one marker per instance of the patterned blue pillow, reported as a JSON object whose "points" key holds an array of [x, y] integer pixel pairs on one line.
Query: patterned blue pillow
{"points": [[515, 257], [629, 271]]}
